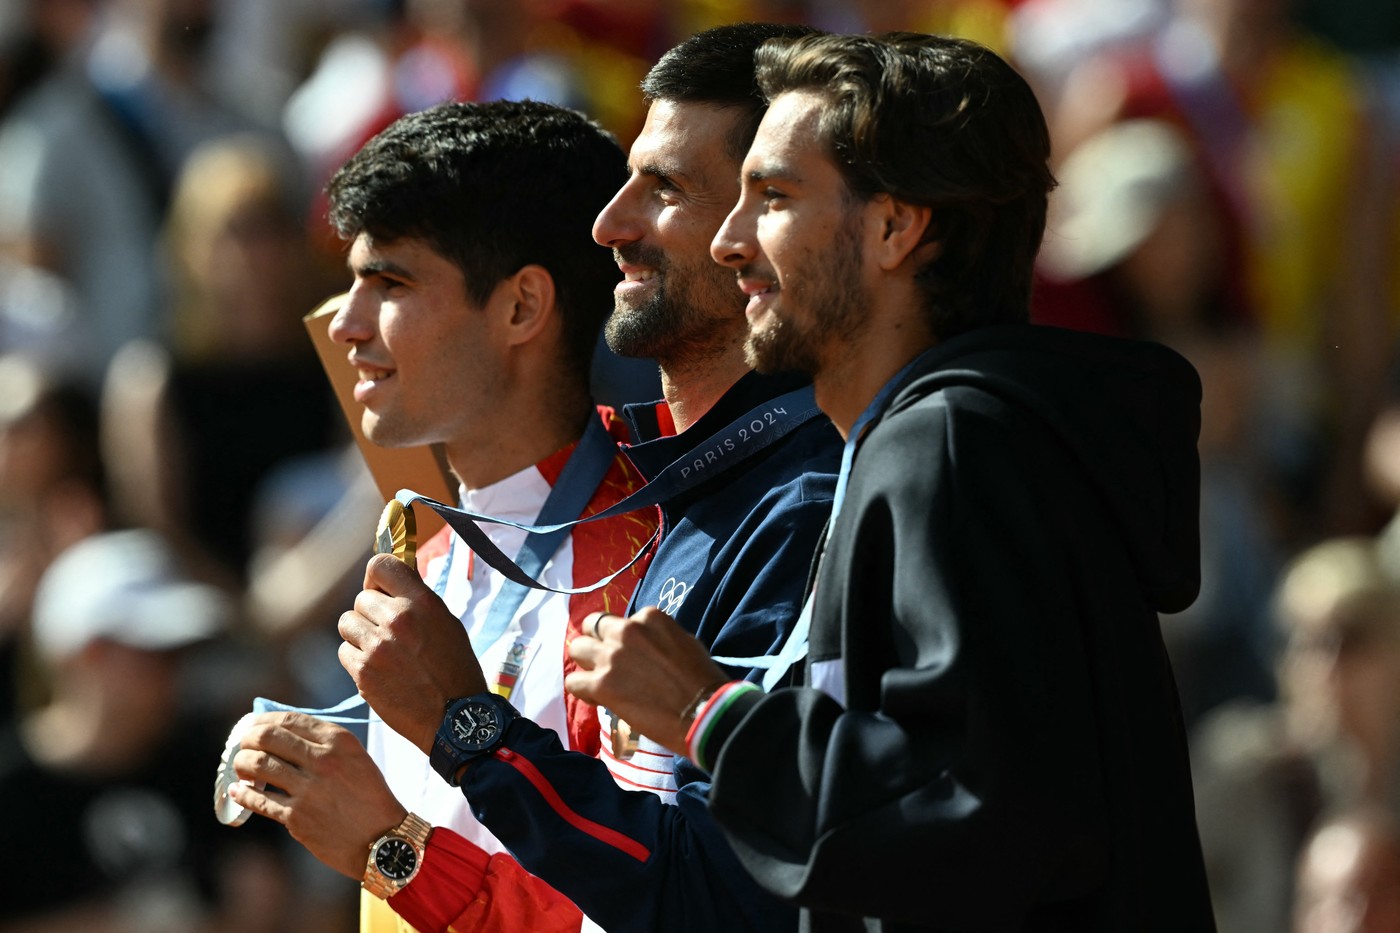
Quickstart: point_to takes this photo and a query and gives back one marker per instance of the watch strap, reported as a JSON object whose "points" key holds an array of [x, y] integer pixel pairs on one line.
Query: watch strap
{"points": [[447, 756], [415, 831]]}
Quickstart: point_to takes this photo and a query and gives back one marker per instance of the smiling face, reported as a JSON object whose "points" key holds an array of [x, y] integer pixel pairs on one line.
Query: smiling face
{"points": [[795, 242], [673, 299], [427, 357]]}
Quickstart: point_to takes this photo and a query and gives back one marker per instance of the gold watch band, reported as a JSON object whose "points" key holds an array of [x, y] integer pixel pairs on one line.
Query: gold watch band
{"points": [[415, 831]]}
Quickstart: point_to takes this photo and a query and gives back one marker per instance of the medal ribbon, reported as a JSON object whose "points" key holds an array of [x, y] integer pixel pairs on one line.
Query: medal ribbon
{"points": [[580, 477], [741, 439], [577, 482], [775, 667]]}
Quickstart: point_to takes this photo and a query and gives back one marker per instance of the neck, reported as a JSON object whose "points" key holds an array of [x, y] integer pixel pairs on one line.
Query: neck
{"points": [[853, 374], [491, 456], [692, 387]]}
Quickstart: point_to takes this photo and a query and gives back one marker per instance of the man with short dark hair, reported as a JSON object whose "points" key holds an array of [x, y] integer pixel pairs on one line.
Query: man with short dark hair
{"points": [[750, 464], [989, 737], [473, 330]]}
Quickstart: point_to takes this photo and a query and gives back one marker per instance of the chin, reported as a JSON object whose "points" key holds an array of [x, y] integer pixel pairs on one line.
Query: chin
{"points": [[774, 350], [382, 435]]}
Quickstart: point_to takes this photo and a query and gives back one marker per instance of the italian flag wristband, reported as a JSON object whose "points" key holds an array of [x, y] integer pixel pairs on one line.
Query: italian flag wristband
{"points": [[709, 715]]}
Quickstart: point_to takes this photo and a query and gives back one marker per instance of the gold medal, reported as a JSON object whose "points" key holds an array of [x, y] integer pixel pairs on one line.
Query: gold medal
{"points": [[396, 532]]}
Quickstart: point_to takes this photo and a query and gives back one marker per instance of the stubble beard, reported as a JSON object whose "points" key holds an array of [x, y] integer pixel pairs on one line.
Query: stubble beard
{"points": [[829, 288], [678, 317]]}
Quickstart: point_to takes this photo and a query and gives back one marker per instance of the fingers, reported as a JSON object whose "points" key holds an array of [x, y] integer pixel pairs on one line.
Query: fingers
{"points": [[590, 623], [355, 628], [277, 746], [260, 802], [352, 659], [389, 575], [587, 648], [583, 684], [373, 612], [251, 764]]}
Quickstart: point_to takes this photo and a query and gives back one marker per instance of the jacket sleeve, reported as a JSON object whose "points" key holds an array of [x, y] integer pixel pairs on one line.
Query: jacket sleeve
{"points": [[960, 780], [630, 861], [462, 889]]}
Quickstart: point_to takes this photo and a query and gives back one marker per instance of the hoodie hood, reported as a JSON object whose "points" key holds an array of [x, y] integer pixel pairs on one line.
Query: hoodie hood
{"points": [[1130, 411]]}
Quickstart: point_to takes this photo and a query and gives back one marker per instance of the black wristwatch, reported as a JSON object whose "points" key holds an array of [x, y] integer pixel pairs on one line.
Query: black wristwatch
{"points": [[472, 727]]}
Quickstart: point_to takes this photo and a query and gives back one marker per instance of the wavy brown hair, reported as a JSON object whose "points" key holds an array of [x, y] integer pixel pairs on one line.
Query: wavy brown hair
{"points": [[947, 124]]}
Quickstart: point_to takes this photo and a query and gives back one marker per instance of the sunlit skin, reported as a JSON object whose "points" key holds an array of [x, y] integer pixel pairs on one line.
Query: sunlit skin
{"points": [[793, 225], [433, 367], [674, 303], [420, 347], [804, 254]]}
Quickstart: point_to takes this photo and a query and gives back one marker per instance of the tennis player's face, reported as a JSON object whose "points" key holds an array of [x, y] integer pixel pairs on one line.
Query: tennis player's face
{"points": [[683, 181], [424, 352], [794, 243]]}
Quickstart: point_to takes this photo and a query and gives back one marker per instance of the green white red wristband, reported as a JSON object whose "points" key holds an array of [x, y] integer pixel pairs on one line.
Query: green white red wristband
{"points": [[709, 714]]}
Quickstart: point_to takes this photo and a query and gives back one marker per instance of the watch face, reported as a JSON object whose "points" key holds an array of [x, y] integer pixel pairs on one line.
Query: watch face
{"points": [[395, 859], [476, 725]]}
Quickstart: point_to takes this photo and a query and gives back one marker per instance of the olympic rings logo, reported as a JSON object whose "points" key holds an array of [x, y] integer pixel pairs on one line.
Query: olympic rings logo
{"points": [[672, 595]]}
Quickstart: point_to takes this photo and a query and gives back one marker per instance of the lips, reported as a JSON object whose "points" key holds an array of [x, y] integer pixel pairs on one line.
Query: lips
{"points": [[758, 288], [635, 278], [640, 265], [637, 273], [370, 377]]}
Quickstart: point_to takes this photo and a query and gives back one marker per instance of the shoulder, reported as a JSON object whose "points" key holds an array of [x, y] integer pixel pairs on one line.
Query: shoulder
{"points": [[803, 466]]}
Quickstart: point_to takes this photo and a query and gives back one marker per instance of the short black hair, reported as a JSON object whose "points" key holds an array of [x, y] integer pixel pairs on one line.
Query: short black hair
{"points": [[716, 67], [494, 187], [944, 123]]}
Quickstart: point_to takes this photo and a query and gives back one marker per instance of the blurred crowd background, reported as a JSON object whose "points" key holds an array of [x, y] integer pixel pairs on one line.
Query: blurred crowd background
{"points": [[183, 515]]}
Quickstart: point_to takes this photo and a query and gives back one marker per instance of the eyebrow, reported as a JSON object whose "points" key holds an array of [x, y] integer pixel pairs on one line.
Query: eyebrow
{"points": [[771, 172], [659, 170], [379, 267]]}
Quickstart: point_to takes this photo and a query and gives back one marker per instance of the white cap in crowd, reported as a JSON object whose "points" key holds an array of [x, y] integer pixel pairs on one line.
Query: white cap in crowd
{"points": [[126, 587]]}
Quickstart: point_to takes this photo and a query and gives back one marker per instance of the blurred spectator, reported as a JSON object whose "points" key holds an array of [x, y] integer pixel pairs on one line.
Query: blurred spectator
{"points": [[424, 52], [1263, 774], [1276, 118], [73, 197], [88, 156], [1349, 876], [261, 50], [1138, 244], [1359, 27], [52, 494], [983, 21], [112, 775], [39, 318], [191, 433], [1070, 52]]}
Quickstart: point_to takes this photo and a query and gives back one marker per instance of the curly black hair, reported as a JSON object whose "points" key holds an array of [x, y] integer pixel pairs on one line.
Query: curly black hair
{"points": [[494, 187]]}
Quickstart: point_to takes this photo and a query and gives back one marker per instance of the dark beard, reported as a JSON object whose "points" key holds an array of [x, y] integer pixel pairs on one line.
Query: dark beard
{"points": [[641, 332], [836, 317], [677, 319]]}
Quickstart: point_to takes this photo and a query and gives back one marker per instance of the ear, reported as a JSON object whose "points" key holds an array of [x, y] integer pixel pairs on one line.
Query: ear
{"points": [[904, 231], [528, 303]]}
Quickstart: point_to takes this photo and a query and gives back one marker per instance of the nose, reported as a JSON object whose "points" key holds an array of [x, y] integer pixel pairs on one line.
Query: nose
{"points": [[618, 222], [734, 244], [353, 322]]}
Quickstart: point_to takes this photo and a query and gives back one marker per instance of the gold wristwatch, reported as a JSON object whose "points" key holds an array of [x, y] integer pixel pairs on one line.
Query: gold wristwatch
{"points": [[396, 856]]}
